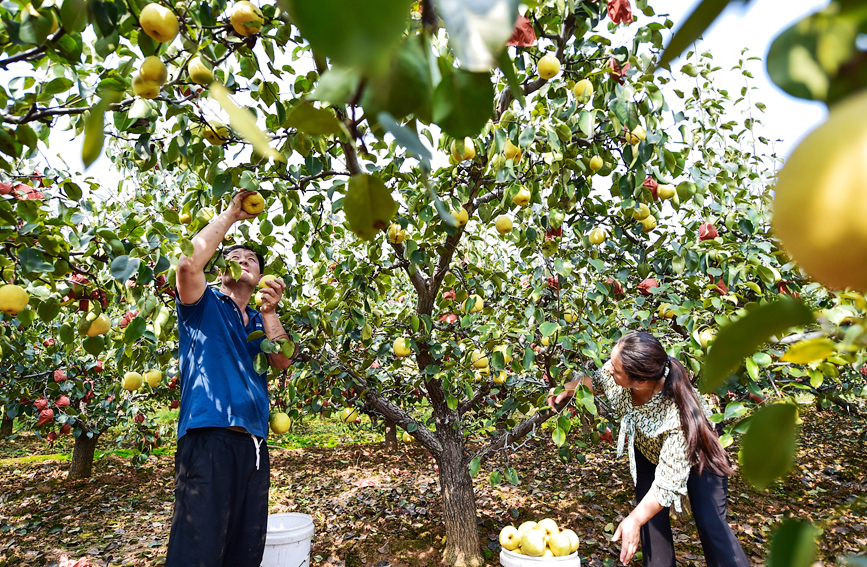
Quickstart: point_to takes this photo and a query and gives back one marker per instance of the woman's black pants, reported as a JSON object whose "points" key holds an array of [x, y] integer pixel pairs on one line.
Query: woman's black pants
{"points": [[707, 495]]}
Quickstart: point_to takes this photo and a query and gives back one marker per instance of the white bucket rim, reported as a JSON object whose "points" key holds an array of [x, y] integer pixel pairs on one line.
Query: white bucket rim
{"points": [[522, 557]]}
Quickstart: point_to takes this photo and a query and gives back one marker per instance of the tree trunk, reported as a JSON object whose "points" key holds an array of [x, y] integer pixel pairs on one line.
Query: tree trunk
{"points": [[6, 427], [463, 548], [390, 436], [82, 456]]}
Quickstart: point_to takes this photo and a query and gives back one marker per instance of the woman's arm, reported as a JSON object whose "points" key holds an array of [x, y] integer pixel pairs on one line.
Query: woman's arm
{"points": [[630, 528]]}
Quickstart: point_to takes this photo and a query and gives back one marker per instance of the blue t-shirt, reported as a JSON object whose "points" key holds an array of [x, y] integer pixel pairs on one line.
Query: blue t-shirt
{"points": [[219, 387]]}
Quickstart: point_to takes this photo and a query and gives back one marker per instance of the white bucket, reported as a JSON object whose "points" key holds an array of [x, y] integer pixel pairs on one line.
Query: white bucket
{"points": [[510, 559], [287, 542]]}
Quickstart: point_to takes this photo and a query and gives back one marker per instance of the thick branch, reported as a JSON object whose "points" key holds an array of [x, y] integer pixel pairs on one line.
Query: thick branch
{"points": [[28, 55], [477, 397], [35, 115], [517, 432], [394, 412], [418, 279]]}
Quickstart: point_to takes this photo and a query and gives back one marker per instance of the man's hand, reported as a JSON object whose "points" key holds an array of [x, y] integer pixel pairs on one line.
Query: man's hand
{"points": [[630, 531], [272, 291], [236, 211]]}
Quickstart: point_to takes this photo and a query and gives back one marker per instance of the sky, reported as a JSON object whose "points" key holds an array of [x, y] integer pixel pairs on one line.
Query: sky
{"points": [[752, 26]]}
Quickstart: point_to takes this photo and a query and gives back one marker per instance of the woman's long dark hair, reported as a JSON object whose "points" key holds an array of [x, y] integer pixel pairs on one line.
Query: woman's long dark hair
{"points": [[644, 359]]}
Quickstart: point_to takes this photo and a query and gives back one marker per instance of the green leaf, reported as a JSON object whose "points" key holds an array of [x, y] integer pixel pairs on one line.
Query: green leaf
{"points": [[354, 33], [462, 102], [337, 85], [496, 478], [73, 15], [135, 330], [512, 476], [559, 437], [33, 261], [452, 402], [700, 19], [809, 351], [222, 184], [187, 248], [312, 120], [93, 345], [739, 339], [793, 544], [244, 122], [769, 445], [255, 335], [548, 328], [475, 465], [94, 128], [368, 205], [405, 137], [49, 310], [123, 267], [508, 68]]}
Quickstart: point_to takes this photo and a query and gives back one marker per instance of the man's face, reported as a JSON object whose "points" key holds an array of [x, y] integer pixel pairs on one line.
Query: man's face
{"points": [[249, 266]]}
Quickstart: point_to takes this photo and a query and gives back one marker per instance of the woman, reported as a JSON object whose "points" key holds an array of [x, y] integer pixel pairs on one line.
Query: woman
{"points": [[673, 451]]}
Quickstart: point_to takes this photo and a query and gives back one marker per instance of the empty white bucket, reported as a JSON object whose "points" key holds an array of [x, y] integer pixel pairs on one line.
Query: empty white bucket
{"points": [[287, 542], [510, 559]]}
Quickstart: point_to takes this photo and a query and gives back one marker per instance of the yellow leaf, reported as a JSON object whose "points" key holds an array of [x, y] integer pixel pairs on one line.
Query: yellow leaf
{"points": [[812, 350], [243, 122]]}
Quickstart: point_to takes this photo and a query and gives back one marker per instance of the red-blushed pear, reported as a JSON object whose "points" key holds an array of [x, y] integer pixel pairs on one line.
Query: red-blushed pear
{"points": [[159, 22], [509, 538], [246, 18], [646, 285], [707, 231]]}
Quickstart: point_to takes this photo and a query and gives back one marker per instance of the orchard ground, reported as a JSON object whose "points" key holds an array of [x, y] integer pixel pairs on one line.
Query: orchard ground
{"points": [[371, 507]]}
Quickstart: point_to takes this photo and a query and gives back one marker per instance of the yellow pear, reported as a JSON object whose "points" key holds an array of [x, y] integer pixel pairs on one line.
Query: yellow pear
{"points": [[509, 538], [462, 216], [596, 163], [479, 359], [153, 377], [548, 526], [636, 135], [400, 347], [246, 18], [533, 543], [396, 234], [253, 203], [641, 213], [504, 224], [469, 150], [263, 281], [648, 224], [570, 316], [13, 299], [348, 415], [507, 358], [280, 423], [407, 438], [522, 198], [512, 151], [153, 70], [216, 133], [525, 527], [582, 89], [666, 191], [478, 304], [573, 538], [100, 326], [159, 22], [548, 67], [144, 88], [199, 72], [597, 236], [132, 381], [706, 336], [501, 377]]}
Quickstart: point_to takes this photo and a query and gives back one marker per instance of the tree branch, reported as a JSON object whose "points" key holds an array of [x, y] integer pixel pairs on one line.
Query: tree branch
{"points": [[515, 433], [418, 279]]}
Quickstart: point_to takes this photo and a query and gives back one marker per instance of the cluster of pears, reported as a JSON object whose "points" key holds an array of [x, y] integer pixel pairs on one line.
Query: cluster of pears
{"points": [[539, 539], [132, 381]]}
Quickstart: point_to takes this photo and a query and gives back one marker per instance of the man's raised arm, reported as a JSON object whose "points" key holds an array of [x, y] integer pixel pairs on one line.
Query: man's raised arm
{"points": [[191, 280]]}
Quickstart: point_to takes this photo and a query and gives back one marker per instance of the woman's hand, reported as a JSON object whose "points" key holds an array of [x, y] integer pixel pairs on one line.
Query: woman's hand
{"points": [[630, 532], [554, 400]]}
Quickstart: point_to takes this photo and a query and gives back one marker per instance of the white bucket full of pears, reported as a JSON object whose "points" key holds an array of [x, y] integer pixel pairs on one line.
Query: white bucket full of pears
{"points": [[533, 543]]}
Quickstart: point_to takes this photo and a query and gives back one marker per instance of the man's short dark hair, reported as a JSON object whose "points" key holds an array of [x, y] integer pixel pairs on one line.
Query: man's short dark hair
{"points": [[259, 257]]}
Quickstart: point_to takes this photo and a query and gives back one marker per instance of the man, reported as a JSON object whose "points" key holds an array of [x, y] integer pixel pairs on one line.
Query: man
{"points": [[222, 470]]}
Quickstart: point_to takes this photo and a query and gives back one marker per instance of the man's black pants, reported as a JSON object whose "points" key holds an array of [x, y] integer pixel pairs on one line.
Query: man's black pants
{"points": [[221, 500], [707, 496]]}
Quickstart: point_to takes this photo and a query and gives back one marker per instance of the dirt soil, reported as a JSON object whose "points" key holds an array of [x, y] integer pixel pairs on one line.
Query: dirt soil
{"points": [[373, 509]]}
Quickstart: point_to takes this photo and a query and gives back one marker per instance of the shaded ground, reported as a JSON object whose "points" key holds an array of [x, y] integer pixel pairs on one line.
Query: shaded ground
{"points": [[369, 507]]}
